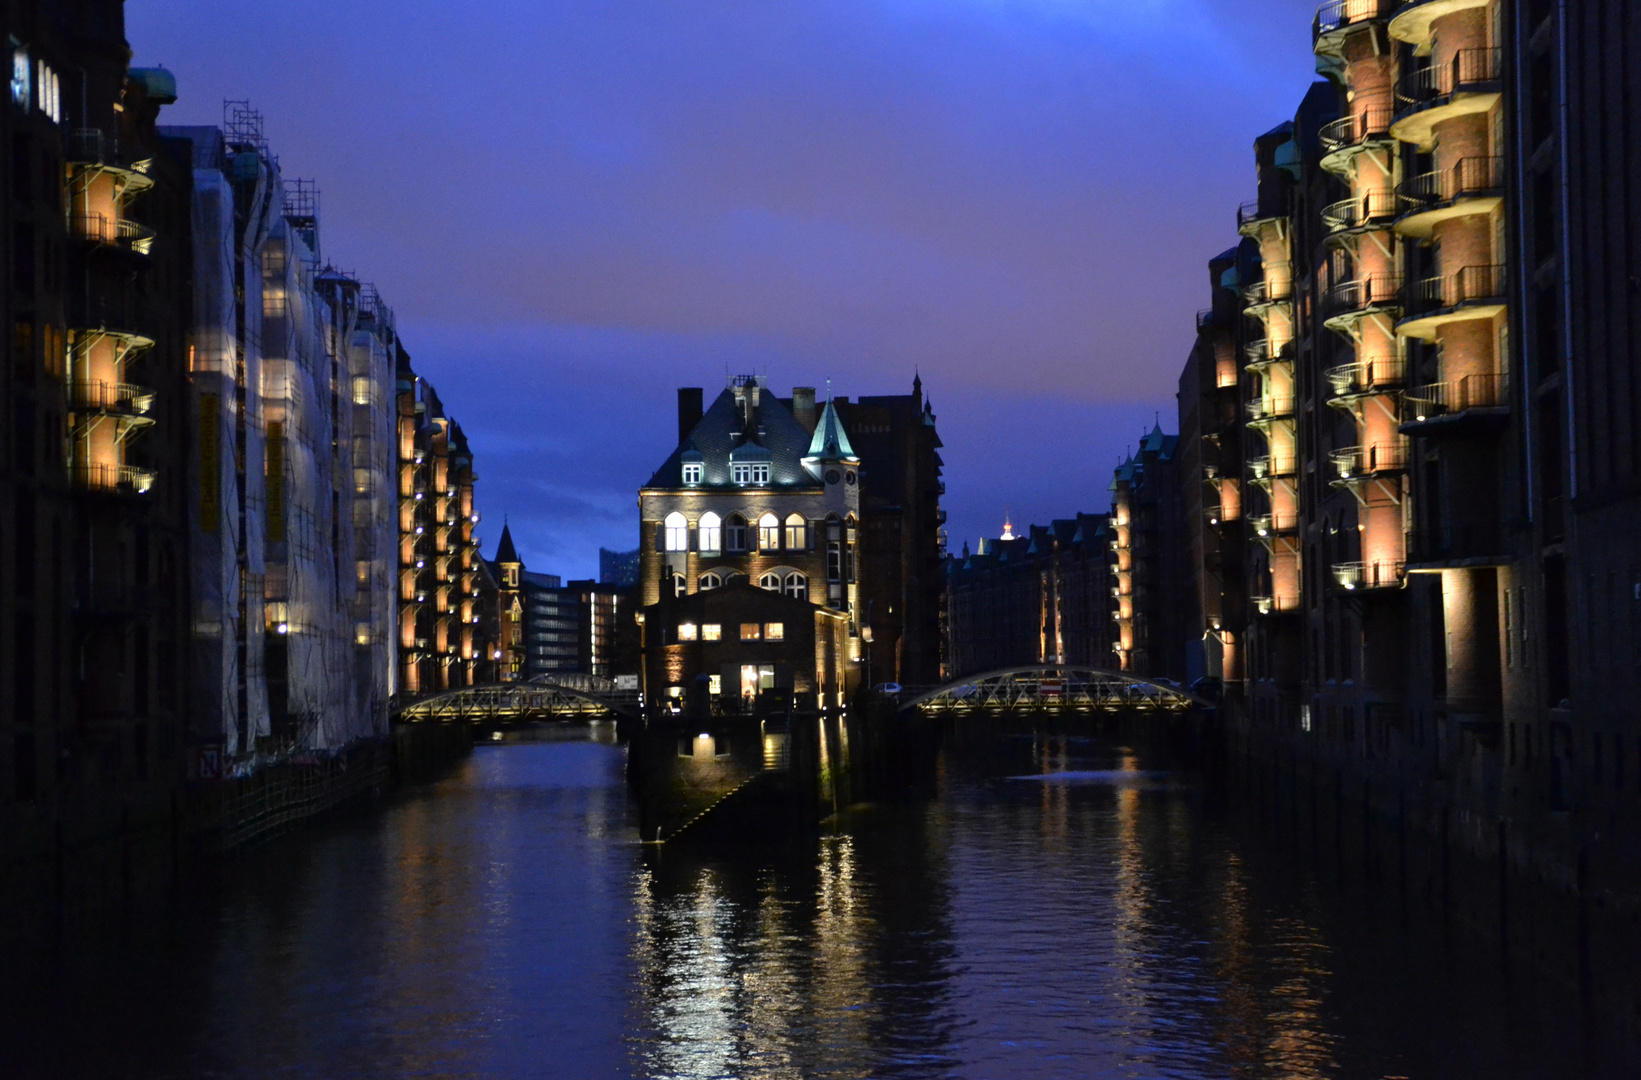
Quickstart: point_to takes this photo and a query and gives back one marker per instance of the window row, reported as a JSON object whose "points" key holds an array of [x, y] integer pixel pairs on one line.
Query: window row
{"points": [[739, 472], [750, 631], [734, 533], [791, 584]]}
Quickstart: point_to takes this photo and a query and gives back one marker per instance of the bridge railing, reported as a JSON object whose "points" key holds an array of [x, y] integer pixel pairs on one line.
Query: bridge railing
{"points": [[1052, 687]]}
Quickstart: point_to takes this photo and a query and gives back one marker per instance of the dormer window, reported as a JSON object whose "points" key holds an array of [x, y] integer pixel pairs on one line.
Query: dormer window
{"points": [[692, 472], [749, 473]]}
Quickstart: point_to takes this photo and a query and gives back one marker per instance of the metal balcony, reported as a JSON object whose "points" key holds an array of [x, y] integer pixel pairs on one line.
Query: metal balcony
{"points": [[1269, 467], [1366, 127], [1269, 409], [1413, 18], [1371, 378], [91, 150], [1350, 301], [1471, 292], [118, 479], [1430, 94], [125, 399], [1355, 464], [1270, 526], [1275, 605], [1372, 209], [1261, 294], [1252, 217], [1434, 409], [1362, 576], [1337, 19], [1472, 185]]}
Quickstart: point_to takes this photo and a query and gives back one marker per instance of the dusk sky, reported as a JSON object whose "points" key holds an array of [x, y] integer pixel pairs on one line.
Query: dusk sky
{"points": [[576, 207]]}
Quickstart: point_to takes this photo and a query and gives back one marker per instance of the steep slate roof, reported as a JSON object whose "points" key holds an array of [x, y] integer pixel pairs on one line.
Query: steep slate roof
{"points": [[715, 436], [505, 552], [831, 442]]}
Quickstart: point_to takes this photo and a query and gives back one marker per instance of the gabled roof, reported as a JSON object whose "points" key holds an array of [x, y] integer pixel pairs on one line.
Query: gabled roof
{"points": [[718, 434]]}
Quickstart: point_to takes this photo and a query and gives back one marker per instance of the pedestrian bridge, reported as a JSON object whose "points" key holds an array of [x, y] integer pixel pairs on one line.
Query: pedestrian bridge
{"points": [[546, 697], [1053, 688]]}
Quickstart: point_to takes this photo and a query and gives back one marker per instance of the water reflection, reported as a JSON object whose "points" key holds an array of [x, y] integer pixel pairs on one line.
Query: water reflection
{"points": [[1061, 906]]}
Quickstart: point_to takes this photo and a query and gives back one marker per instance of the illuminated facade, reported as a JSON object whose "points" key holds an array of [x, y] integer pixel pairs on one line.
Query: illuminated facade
{"points": [[444, 640], [757, 490], [93, 483], [1415, 555]]}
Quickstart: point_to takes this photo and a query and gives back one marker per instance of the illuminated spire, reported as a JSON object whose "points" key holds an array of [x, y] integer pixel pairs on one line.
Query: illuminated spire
{"points": [[1008, 529]]}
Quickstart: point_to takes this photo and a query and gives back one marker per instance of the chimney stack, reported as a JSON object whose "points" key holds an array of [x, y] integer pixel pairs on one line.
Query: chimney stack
{"points": [[803, 406], [689, 410]]}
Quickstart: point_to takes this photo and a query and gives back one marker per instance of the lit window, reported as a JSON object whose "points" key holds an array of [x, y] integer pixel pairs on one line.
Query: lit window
{"points": [[772, 582], [751, 631], [760, 474], [795, 530], [692, 472], [21, 78], [797, 586], [711, 532], [712, 632], [715, 685], [769, 532], [709, 582], [48, 92], [677, 532], [735, 533], [686, 631], [774, 631], [741, 474]]}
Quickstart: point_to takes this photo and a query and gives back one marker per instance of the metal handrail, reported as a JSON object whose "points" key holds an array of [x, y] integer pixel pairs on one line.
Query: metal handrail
{"points": [[97, 477], [1375, 204], [1446, 292], [1270, 605], [1335, 15], [1430, 85], [1375, 290], [1469, 392], [1355, 462], [111, 396], [1269, 465], [1370, 121], [1467, 176], [1364, 376], [1267, 408], [1273, 524], [1378, 574], [1265, 291]]}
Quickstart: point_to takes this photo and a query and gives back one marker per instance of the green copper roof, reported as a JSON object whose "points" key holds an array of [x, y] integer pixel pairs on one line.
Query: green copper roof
{"points": [[830, 441]]}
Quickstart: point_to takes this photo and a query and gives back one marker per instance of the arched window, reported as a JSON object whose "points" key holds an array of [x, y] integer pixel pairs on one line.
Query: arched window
{"points": [[796, 527], [797, 586], [677, 532], [735, 533], [772, 582], [710, 581], [712, 533], [769, 533]]}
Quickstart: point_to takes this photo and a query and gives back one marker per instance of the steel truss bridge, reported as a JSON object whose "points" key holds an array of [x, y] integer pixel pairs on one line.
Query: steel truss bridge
{"points": [[546, 697], [1053, 688]]}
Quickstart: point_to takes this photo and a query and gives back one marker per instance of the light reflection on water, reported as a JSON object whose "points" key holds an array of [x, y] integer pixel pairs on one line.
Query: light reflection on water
{"points": [[505, 923]]}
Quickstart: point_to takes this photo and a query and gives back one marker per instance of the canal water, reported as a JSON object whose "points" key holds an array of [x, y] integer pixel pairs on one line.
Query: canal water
{"points": [[1058, 905]]}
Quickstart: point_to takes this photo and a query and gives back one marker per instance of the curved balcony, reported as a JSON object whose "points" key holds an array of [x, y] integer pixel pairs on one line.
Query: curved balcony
{"points": [[1269, 467], [1260, 297], [1348, 302], [1472, 292], [1271, 526], [1363, 576], [1366, 128], [1434, 93], [1359, 464], [1371, 378], [1270, 409], [1443, 407], [123, 399], [1275, 605], [114, 479], [1260, 357], [90, 150], [1253, 217], [1216, 517], [1472, 185], [105, 231], [1372, 209], [1412, 20], [1336, 20]]}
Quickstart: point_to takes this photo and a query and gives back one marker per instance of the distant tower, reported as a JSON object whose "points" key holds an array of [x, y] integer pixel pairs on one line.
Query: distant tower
{"points": [[1008, 529], [509, 575]]}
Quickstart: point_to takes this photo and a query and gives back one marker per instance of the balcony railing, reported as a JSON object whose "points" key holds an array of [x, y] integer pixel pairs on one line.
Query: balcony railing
{"points": [[1268, 525], [1275, 605], [1360, 462], [1440, 399], [1470, 70], [1366, 376], [1270, 408], [1370, 119], [1268, 467], [118, 478], [1466, 178], [1336, 15], [111, 397], [1380, 574], [1374, 206], [1257, 210], [1470, 285], [1362, 294], [1267, 290], [1258, 352]]}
